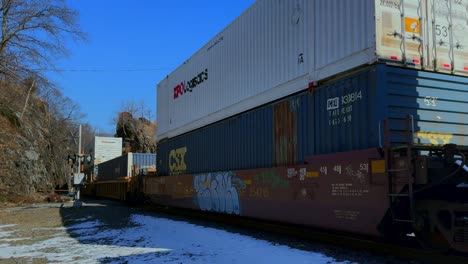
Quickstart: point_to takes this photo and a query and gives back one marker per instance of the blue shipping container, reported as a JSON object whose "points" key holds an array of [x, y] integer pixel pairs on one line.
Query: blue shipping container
{"points": [[350, 112], [343, 114], [242, 141]]}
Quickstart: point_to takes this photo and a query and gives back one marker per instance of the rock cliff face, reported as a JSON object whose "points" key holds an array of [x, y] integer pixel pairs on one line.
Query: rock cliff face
{"points": [[35, 141], [30, 155], [138, 134]]}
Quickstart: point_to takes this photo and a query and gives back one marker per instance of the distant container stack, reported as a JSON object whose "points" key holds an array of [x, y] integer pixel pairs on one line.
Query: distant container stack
{"points": [[101, 149], [129, 165]]}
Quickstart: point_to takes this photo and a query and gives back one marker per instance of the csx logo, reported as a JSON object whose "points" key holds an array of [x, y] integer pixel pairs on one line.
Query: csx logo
{"points": [[177, 160]]}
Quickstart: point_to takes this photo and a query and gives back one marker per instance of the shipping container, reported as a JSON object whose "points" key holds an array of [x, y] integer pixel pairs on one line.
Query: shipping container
{"points": [[129, 165], [350, 112], [277, 48], [343, 114], [102, 149]]}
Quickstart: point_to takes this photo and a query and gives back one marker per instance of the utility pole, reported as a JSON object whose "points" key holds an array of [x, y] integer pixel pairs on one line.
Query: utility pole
{"points": [[79, 177], [79, 149]]}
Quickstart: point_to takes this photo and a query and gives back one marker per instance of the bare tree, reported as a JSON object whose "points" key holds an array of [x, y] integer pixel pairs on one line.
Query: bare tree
{"points": [[142, 108], [129, 106], [33, 34], [137, 110]]}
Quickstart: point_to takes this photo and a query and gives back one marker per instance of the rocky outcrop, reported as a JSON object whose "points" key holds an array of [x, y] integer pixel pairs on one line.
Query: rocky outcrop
{"points": [[29, 158], [138, 134]]}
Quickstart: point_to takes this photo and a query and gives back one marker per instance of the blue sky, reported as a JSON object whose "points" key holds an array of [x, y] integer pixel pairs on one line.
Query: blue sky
{"points": [[133, 45]]}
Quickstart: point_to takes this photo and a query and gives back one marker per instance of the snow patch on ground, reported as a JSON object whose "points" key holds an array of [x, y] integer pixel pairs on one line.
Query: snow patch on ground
{"points": [[154, 240], [197, 244]]}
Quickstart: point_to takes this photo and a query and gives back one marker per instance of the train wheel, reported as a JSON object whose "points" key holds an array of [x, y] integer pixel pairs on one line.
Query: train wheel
{"points": [[428, 234]]}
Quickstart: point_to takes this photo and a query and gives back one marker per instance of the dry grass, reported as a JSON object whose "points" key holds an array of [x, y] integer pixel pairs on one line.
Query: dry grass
{"points": [[32, 225], [8, 200]]}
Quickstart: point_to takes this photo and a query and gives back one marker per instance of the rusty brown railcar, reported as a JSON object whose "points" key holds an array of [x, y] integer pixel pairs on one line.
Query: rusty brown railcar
{"points": [[327, 192]]}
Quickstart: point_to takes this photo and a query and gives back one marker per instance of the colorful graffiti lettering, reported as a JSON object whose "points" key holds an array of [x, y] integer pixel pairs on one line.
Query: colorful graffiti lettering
{"points": [[435, 138], [218, 192], [259, 192]]}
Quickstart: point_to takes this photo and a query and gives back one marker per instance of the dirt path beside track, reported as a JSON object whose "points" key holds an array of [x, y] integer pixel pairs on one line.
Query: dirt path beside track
{"points": [[45, 227]]}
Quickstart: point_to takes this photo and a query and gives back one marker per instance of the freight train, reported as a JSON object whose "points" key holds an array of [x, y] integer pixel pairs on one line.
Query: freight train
{"points": [[366, 153], [120, 178], [343, 115]]}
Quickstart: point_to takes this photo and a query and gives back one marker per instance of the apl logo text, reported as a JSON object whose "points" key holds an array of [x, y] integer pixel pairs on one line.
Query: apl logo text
{"points": [[184, 87]]}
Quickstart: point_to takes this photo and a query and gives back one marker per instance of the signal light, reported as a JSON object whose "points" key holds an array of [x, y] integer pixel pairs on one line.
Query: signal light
{"points": [[393, 57], [447, 66]]}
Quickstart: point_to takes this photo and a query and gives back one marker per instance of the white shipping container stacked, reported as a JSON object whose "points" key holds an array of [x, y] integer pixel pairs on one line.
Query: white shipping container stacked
{"points": [[276, 48], [261, 56], [103, 149], [430, 34]]}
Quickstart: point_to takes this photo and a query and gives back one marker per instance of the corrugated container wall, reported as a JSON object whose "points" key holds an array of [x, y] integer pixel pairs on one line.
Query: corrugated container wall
{"points": [[276, 134], [113, 169], [343, 34], [428, 34], [343, 114], [421, 34], [262, 56], [276, 48], [129, 165], [350, 112], [242, 141], [143, 163]]}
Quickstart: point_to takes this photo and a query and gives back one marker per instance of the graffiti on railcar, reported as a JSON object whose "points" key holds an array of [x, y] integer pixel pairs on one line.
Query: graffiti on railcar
{"points": [[271, 179], [259, 192], [434, 138], [218, 192]]}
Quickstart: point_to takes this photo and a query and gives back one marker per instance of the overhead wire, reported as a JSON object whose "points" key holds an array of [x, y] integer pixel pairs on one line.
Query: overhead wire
{"points": [[104, 70]]}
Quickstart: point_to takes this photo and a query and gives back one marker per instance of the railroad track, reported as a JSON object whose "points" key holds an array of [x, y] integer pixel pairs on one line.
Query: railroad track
{"points": [[411, 251]]}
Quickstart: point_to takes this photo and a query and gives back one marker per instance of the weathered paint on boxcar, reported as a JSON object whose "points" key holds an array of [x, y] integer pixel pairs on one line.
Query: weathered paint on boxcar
{"points": [[285, 132], [331, 191]]}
